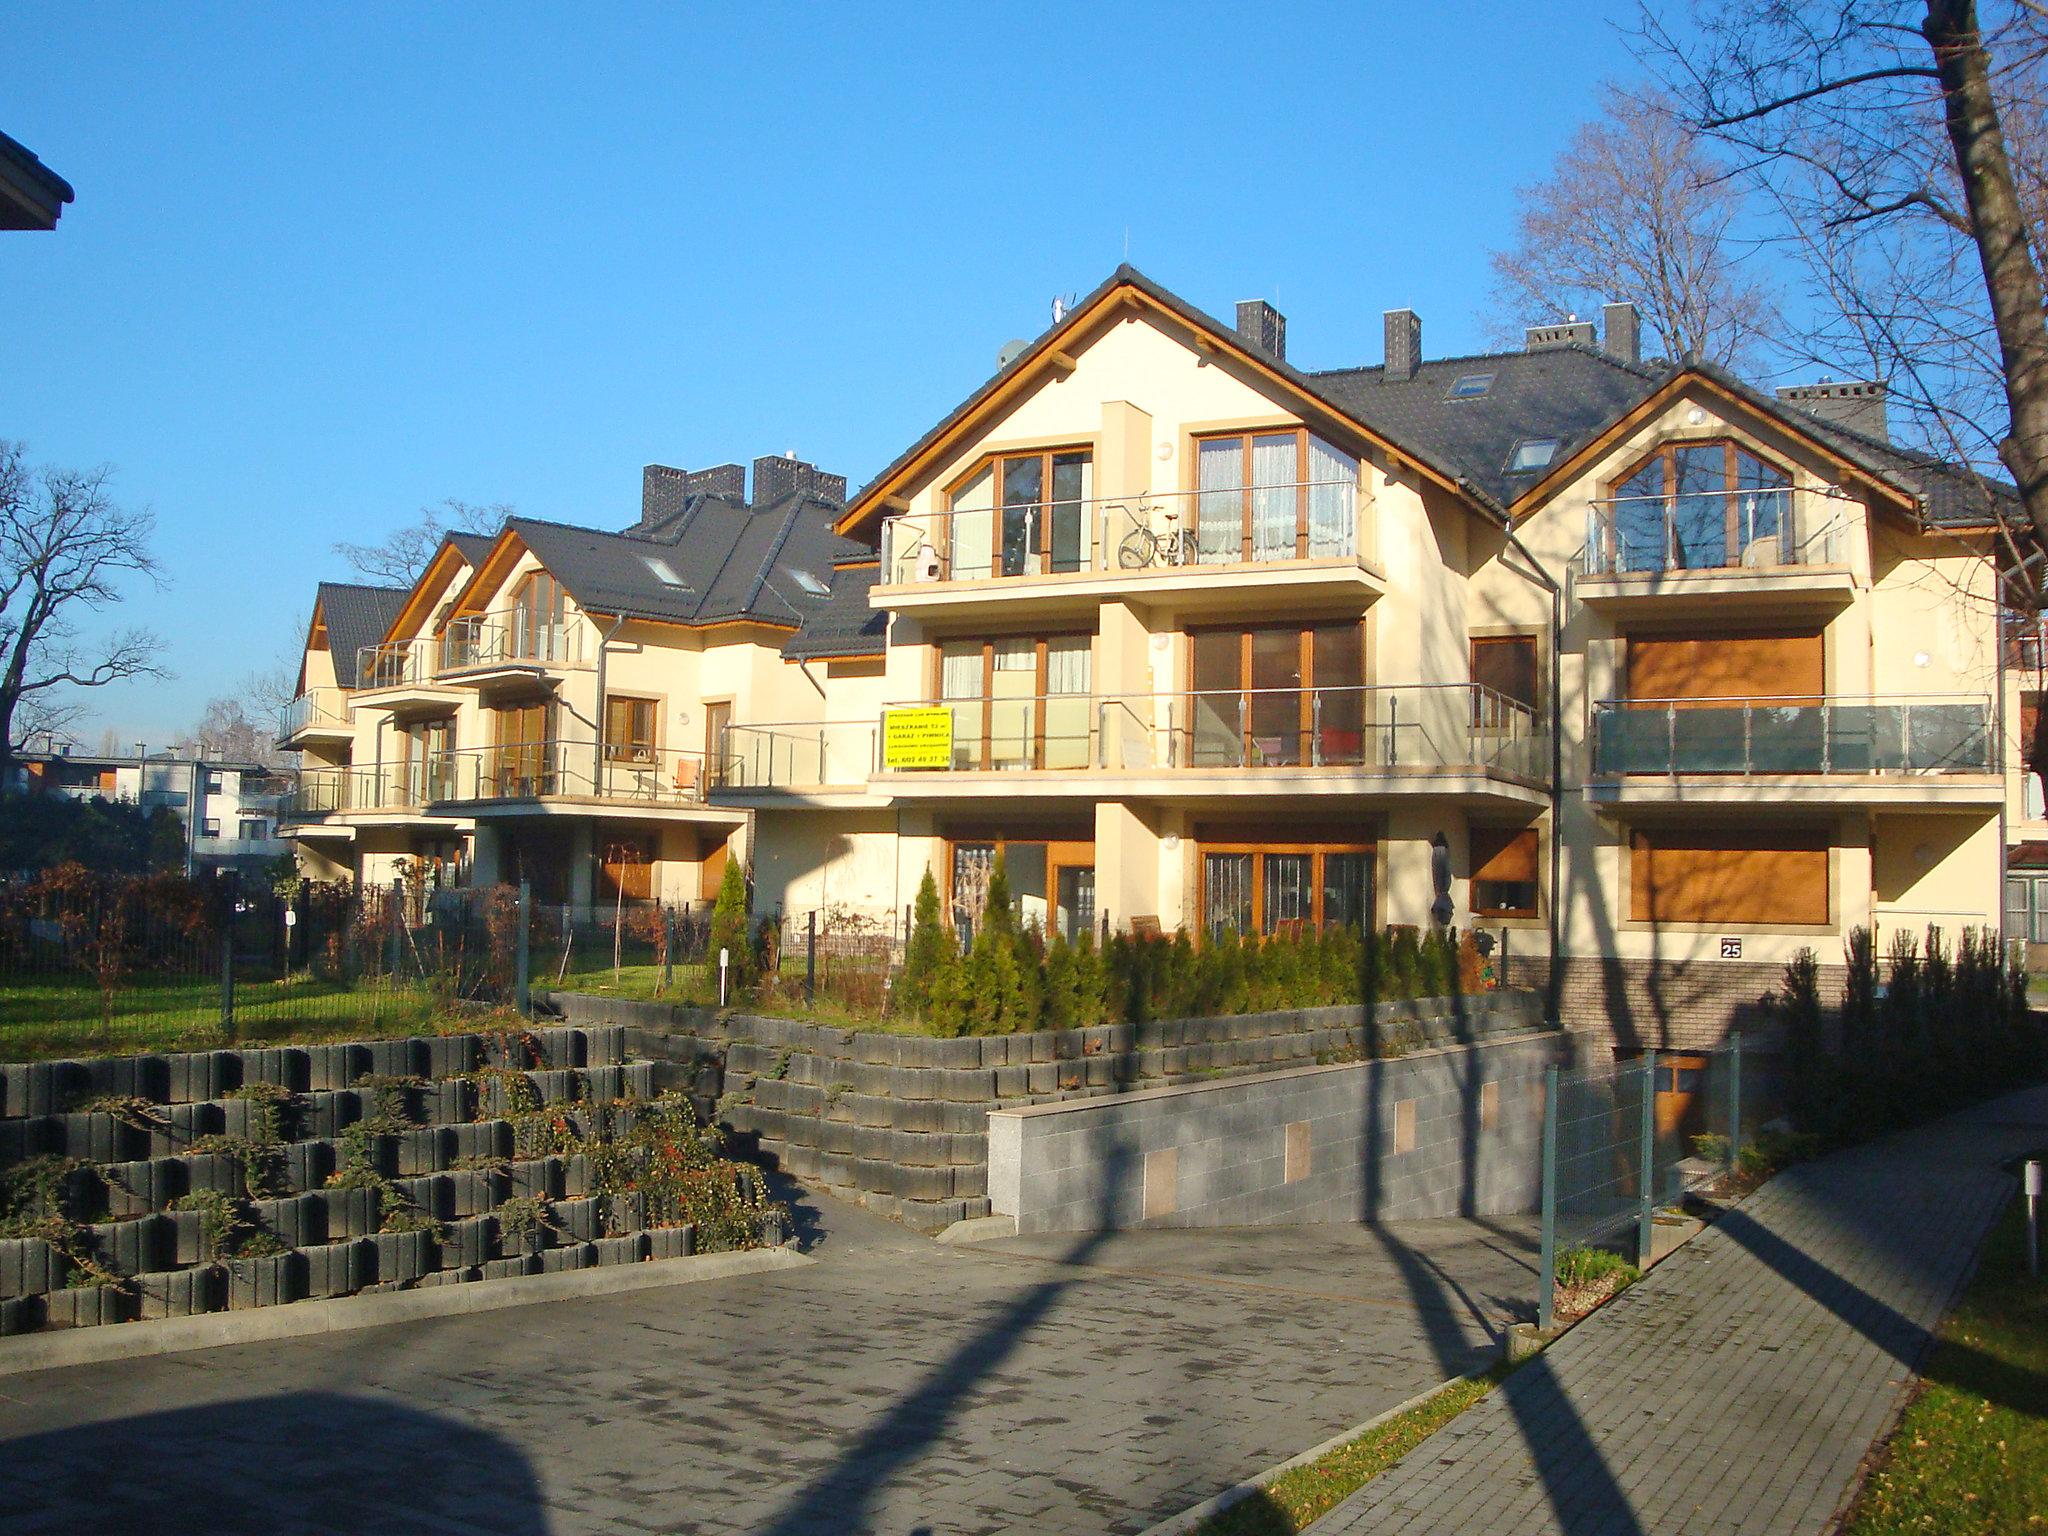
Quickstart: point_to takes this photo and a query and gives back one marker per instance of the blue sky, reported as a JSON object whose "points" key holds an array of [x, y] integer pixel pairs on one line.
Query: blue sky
{"points": [[328, 266]]}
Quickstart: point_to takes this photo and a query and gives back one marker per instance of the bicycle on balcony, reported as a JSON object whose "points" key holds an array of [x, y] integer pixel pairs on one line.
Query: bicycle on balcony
{"points": [[1145, 546]]}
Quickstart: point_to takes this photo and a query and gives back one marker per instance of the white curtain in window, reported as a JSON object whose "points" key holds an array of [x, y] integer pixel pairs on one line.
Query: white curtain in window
{"points": [[973, 528], [960, 672], [1332, 495], [1274, 497], [1219, 515], [1016, 656], [1066, 664]]}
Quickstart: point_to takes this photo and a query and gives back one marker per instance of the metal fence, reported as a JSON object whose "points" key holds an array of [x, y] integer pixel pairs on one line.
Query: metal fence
{"points": [[1623, 1140]]}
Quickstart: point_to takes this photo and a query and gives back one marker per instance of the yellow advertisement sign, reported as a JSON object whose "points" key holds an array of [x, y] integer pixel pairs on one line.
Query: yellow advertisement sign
{"points": [[917, 738]]}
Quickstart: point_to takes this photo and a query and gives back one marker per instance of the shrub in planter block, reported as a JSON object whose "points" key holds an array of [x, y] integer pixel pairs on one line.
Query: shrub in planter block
{"points": [[128, 1077], [539, 1178], [308, 1163], [421, 1150], [604, 1045], [348, 1212], [671, 1242], [447, 1055], [132, 1247], [628, 1249], [331, 1111], [485, 1138], [625, 1211], [42, 1087], [88, 1306], [381, 1153], [575, 1179], [561, 1048], [470, 1243], [29, 1266], [338, 1269], [603, 1084], [448, 1101], [580, 1220], [20, 1314], [269, 1281], [243, 1117], [284, 1065], [183, 1125], [511, 1268], [403, 1256], [474, 1191], [148, 1184], [296, 1220], [181, 1292], [392, 1058], [198, 1076], [557, 1086], [329, 1067], [430, 1192], [574, 1256], [101, 1138]]}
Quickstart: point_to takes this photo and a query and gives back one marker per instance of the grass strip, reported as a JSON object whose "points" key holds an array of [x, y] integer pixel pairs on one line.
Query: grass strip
{"points": [[1970, 1455], [1294, 1498]]}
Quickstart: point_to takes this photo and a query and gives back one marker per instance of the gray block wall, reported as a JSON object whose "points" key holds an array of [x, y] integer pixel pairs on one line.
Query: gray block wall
{"points": [[1445, 1132]]}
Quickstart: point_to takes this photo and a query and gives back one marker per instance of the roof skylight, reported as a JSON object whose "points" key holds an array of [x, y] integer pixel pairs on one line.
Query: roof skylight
{"points": [[1532, 453], [1470, 386], [810, 583], [663, 571]]}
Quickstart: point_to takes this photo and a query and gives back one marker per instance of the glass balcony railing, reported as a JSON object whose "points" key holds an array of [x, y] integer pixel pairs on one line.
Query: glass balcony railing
{"points": [[395, 664], [1765, 529], [1237, 525], [1377, 729], [528, 771], [317, 707], [481, 641], [1933, 734], [797, 755]]}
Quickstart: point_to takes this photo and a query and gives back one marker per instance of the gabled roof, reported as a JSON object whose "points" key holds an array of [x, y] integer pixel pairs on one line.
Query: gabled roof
{"points": [[355, 616], [843, 625], [32, 196]]}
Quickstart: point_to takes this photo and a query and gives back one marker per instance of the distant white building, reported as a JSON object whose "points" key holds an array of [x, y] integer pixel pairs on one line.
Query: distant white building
{"points": [[228, 809]]}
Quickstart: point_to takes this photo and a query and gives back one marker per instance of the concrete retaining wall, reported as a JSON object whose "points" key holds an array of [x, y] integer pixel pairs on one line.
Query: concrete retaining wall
{"points": [[900, 1122], [1444, 1132]]}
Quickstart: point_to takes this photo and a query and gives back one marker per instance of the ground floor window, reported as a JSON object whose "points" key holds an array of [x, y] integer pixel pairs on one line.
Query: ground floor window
{"points": [[1678, 875], [1052, 883], [625, 866], [1504, 872], [2026, 907], [1274, 889]]}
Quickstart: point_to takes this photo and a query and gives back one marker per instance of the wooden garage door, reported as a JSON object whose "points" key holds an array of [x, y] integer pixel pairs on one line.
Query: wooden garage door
{"points": [[1752, 664], [1680, 876]]}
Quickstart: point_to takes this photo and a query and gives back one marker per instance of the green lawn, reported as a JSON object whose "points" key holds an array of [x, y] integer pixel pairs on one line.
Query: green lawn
{"points": [[694, 987], [1970, 1457]]}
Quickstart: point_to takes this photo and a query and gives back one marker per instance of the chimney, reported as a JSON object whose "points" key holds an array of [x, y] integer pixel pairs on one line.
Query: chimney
{"points": [[728, 480], [1547, 338], [1263, 326], [785, 474], [1404, 343], [1624, 332], [1858, 404], [662, 492]]}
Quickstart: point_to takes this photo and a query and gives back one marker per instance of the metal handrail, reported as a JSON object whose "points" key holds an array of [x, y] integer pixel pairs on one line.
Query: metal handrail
{"points": [[1801, 733], [485, 640], [1608, 551], [544, 769], [322, 705]]}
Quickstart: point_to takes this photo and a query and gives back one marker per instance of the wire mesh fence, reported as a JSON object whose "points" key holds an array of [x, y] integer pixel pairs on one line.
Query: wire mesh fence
{"points": [[1624, 1140]]}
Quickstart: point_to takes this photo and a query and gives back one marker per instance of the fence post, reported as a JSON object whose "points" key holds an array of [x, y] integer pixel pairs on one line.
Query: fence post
{"points": [[227, 981], [810, 957], [1546, 1291], [393, 953], [1734, 1099], [670, 937], [522, 949], [1646, 1185]]}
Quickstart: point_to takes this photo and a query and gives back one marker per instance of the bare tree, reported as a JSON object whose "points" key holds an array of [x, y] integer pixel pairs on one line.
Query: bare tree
{"points": [[65, 547], [404, 556], [1636, 208], [1878, 128], [228, 731]]}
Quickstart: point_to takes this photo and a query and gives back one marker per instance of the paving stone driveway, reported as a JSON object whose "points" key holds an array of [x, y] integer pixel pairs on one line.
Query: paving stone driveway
{"points": [[900, 1386]]}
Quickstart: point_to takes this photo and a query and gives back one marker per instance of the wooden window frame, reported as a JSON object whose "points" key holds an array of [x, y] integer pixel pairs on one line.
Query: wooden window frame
{"points": [[1535, 909], [618, 750], [1533, 639], [1305, 709], [1060, 853], [1040, 644], [1040, 563], [1244, 436], [1667, 453], [1258, 851]]}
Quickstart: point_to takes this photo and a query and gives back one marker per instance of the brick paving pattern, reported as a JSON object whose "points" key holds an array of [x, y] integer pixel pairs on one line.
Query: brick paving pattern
{"points": [[1738, 1386], [1049, 1385]]}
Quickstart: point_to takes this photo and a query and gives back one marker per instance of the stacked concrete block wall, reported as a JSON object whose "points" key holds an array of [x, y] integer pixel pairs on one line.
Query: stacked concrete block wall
{"points": [[1444, 1132], [900, 1122], [117, 1143]]}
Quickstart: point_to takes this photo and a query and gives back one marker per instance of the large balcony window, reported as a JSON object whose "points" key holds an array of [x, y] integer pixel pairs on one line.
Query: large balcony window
{"points": [[1267, 496], [1255, 888], [1277, 695], [1021, 514], [1703, 506], [1018, 702]]}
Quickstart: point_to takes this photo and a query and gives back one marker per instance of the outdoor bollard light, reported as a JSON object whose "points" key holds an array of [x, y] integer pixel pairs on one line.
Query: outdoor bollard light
{"points": [[724, 957], [2033, 1186]]}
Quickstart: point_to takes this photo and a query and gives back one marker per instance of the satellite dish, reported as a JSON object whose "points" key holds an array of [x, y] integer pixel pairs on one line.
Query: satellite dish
{"points": [[1062, 306], [1010, 352]]}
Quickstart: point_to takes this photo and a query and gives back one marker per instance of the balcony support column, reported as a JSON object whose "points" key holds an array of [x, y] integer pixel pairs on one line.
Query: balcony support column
{"points": [[1129, 860]]}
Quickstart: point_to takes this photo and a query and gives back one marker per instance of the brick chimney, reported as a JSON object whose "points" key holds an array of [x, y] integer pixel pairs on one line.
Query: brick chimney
{"points": [[780, 475], [663, 490], [1624, 332], [719, 480], [1263, 326], [1858, 404], [1403, 343], [1547, 338]]}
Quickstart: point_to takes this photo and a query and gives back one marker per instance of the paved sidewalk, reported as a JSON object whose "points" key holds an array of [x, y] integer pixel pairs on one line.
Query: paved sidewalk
{"points": [[1070, 1385], [1738, 1386]]}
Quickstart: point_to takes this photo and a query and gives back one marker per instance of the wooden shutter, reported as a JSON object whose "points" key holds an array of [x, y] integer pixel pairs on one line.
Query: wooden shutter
{"points": [[1501, 854], [1755, 664], [1678, 876]]}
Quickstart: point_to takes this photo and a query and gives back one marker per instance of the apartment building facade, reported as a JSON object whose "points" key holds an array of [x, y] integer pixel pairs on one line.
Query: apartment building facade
{"points": [[230, 810], [1624, 662]]}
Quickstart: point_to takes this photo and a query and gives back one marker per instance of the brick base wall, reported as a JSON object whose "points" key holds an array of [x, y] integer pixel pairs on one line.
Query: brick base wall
{"points": [[1667, 1004]]}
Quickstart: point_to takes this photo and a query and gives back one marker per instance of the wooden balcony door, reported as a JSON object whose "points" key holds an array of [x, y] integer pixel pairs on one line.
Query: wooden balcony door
{"points": [[523, 762]]}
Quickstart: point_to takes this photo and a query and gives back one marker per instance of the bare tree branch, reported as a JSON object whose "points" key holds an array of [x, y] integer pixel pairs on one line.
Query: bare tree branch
{"points": [[403, 557]]}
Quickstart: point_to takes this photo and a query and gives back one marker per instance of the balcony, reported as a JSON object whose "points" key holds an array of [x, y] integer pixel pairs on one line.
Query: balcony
{"points": [[317, 715], [400, 675], [1926, 751], [1774, 550], [479, 650], [1453, 740], [1301, 539], [400, 792], [813, 758], [553, 776]]}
